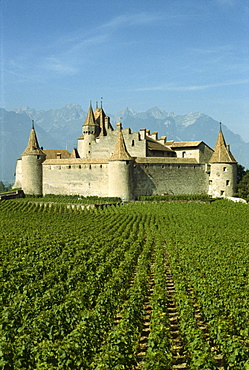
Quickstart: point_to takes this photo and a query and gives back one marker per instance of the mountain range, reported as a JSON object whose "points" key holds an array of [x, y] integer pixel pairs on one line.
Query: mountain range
{"points": [[60, 128]]}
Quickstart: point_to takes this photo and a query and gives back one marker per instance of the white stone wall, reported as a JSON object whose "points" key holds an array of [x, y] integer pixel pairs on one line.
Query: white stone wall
{"points": [[103, 146], [222, 180], [82, 179], [85, 149], [158, 179], [205, 153], [202, 153], [32, 174], [18, 175], [125, 179], [120, 179]]}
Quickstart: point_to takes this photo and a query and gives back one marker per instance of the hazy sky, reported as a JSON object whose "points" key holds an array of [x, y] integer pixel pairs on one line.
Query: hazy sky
{"points": [[180, 55]]}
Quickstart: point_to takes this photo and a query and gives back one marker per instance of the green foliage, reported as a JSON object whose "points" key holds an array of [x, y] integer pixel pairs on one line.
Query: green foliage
{"points": [[79, 199], [4, 188], [170, 197], [74, 283], [240, 172], [243, 187]]}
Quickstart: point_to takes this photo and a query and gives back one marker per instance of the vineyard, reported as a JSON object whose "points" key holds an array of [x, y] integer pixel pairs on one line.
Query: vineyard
{"points": [[127, 286]]}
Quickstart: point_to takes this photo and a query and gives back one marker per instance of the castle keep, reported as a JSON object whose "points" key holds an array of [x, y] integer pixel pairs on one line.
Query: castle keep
{"points": [[118, 162]]}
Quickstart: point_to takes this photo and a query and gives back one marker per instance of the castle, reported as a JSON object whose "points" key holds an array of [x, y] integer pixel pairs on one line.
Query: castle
{"points": [[118, 162]]}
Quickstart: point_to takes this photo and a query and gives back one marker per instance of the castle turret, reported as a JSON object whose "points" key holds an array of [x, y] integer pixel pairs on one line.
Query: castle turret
{"points": [[32, 159], [223, 170], [120, 171], [90, 130]]}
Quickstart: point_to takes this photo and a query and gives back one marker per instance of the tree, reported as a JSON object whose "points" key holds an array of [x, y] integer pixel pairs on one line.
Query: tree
{"points": [[243, 186], [240, 173], [2, 187]]}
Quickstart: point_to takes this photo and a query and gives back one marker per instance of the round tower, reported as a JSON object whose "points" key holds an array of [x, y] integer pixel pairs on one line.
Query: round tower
{"points": [[90, 130], [120, 171], [223, 170], [32, 159]]}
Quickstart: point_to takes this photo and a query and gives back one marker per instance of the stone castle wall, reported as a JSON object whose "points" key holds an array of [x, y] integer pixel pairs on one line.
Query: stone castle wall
{"points": [[32, 176], [127, 180], [104, 145], [157, 179], [76, 178], [120, 179], [223, 179]]}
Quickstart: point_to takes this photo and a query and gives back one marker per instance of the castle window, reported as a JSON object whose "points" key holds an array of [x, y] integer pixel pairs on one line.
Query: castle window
{"points": [[210, 182], [208, 168], [183, 154], [69, 166], [178, 166], [127, 162], [89, 143], [38, 157], [227, 182], [222, 192], [224, 169], [80, 166], [90, 166], [163, 166], [132, 143], [100, 166], [89, 151]]}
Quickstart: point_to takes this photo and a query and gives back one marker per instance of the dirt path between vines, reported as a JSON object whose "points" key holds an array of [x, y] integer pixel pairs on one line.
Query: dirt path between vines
{"points": [[177, 347], [143, 342]]}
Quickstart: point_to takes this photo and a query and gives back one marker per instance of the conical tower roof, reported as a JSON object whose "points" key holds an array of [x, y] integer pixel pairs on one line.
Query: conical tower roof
{"points": [[33, 146], [99, 116], [90, 120], [75, 153], [221, 152], [120, 152]]}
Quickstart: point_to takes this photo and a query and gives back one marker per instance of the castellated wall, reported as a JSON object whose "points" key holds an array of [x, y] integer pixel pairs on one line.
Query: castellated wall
{"points": [[77, 176], [169, 178], [125, 179], [104, 145]]}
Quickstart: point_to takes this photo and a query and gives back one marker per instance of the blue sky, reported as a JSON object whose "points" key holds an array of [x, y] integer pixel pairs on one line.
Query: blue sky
{"points": [[180, 55]]}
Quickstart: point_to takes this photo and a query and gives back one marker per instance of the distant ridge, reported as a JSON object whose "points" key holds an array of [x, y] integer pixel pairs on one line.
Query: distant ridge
{"points": [[60, 128]]}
